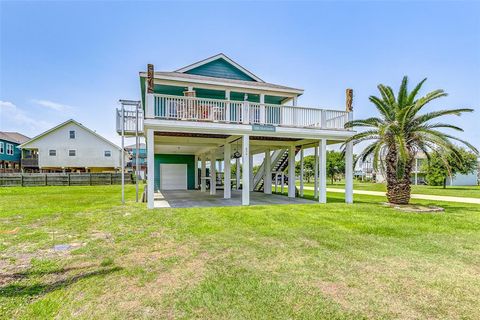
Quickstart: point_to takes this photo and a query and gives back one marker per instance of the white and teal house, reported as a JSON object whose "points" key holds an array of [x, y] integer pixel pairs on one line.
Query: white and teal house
{"points": [[200, 120]]}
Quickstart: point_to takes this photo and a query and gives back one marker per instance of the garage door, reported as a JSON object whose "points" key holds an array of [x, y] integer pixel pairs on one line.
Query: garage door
{"points": [[173, 176]]}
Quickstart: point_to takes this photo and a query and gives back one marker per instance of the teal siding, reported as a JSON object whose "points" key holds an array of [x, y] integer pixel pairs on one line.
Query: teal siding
{"points": [[177, 159], [16, 152], [220, 69]]}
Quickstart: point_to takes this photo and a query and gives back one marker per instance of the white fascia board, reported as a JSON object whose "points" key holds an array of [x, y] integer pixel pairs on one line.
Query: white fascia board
{"points": [[216, 57], [239, 129], [220, 85]]}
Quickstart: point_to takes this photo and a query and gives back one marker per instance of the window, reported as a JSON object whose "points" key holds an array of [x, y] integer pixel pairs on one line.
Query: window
{"points": [[52, 153], [72, 134], [72, 153], [9, 149], [108, 153], [1, 148]]}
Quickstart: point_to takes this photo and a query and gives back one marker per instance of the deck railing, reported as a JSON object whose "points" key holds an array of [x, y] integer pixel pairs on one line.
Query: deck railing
{"points": [[243, 112]]}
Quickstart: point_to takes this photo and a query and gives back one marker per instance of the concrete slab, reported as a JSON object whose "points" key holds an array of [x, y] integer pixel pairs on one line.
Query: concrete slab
{"points": [[196, 199]]}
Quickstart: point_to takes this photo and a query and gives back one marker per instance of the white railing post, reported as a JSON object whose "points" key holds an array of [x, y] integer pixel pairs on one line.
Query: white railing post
{"points": [[150, 105], [323, 123], [246, 112], [262, 108], [227, 106]]}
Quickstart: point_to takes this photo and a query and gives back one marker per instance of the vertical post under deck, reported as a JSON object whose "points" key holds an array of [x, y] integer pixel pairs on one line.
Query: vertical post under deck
{"points": [[322, 196], [291, 172], [267, 179], [227, 185], [246, 170], [301, 172], [213, 174], [150, 169], [203, 174], [349, 172]]}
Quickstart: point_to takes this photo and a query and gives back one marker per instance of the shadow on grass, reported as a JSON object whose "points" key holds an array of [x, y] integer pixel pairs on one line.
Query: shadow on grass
{"points": [[37, 289]]}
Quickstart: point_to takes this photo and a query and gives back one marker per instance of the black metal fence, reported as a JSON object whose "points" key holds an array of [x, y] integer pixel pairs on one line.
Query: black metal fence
{"points": [[62, 179]]}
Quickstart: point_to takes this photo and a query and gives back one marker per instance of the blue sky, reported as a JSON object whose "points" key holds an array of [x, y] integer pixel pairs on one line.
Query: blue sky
{"points": [[61, 60]]}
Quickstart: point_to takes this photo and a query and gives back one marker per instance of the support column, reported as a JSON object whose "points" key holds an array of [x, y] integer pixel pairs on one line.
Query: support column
{"points": [[227, 184], [246, 170], [267, 178], [315, 174], [195, 167], [349, 172], [291, 172], [237, 173], [250, 161], [322, 194], [150, 169], [213, 174], [203, 173], [301, 172]]}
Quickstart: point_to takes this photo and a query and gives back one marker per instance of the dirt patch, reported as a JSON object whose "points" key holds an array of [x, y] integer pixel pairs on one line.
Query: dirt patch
{"points": [[414, 208]]}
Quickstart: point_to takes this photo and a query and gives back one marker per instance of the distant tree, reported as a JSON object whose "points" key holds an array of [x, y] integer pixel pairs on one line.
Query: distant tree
{"points": [[441, 166], [335, 164], [308, 168]]}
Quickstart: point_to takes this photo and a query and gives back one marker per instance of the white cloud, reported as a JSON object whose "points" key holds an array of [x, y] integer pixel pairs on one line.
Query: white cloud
{"points": [[52, 105], [13, 118]]}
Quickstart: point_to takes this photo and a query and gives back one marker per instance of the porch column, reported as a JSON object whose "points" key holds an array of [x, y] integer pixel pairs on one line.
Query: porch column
{"points": [[301, 172], [203, 174], [227, 185], [322, 196], [150, 168], [315, 174], [267, 179], [291, 172], [349, 172], [213, 174], [250, 160], [237, 173], [246, 170], [195, 167]]}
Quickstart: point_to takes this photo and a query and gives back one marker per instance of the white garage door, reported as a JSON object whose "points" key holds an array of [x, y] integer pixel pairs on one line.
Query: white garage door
{"points": [[173, 176]]}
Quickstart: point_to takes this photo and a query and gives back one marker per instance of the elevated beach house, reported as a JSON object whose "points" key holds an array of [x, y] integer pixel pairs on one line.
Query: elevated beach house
{"points": [[217, 112], [70, 147]]}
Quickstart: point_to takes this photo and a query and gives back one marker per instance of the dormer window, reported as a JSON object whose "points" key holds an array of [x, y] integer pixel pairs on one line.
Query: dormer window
{"points": [[72, 134]]}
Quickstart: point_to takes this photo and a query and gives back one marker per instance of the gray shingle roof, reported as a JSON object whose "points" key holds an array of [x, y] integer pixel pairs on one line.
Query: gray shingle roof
{"points": [[13, 137]]}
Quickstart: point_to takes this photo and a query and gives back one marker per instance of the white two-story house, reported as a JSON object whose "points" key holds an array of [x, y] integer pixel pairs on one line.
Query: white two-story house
{"points": [[217, 113], [70, 147]]}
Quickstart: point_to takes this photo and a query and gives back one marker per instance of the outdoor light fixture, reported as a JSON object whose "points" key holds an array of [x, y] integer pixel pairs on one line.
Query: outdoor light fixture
{"points": [[236, 155]]}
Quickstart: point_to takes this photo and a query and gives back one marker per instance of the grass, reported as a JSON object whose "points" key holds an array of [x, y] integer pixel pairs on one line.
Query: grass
{"points": [[454, 191], [313, 261]]}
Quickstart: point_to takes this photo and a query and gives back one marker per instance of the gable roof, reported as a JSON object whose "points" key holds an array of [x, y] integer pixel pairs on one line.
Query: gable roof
{"points": [[212, 80], [13, 137], [223, 57], [64, 124]]}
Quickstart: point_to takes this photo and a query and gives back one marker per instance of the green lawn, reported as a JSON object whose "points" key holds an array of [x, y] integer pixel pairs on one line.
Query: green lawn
{"points": [[313, 261], [455, 191]]}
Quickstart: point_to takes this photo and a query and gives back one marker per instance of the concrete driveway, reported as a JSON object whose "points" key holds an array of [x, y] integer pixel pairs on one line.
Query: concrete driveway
{"points": [[196, 199]]}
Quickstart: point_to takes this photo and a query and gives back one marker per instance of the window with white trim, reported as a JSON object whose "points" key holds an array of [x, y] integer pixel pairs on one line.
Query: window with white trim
{"points": [[72, 153], [52, 153], [1, 148], [9, 149], [72, 134], [108, 153]]}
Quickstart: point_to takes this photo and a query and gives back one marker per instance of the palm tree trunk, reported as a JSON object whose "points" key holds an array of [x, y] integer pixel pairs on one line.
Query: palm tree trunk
{"points": [[398, 189]]}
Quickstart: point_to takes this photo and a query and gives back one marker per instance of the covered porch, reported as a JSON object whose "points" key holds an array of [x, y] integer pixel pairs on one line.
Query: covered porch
{"points": [[191, 169]]}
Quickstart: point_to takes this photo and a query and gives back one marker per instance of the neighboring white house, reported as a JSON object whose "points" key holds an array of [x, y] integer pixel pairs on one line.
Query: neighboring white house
{"points": [[70, 147], [418, 175]]}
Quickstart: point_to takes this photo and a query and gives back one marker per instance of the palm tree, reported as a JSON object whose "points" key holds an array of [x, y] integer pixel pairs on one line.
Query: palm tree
{"points": [[400, 131]]}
